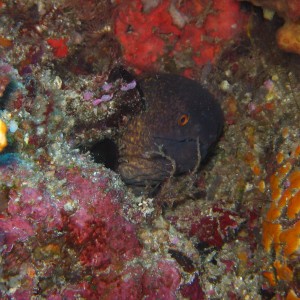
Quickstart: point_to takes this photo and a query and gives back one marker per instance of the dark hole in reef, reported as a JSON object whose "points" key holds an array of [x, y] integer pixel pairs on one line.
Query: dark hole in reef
{"points": [[204, 248], [183, 260], [105, 152], [267, 294]]}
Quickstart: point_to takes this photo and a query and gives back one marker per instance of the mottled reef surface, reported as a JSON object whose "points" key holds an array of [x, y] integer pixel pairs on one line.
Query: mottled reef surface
{"points": [[69, 226]]}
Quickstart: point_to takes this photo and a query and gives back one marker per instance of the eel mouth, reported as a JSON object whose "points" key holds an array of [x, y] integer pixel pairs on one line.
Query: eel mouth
{"points": [[144, 171], [165, 160], [185, 154]]}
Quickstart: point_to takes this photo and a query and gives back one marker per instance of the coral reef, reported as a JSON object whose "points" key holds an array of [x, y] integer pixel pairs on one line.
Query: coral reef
{"points": [[70, 228], [271, 159], [49, 219]]}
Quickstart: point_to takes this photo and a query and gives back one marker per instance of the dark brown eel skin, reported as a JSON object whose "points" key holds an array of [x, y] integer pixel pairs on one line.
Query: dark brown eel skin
{"points": [[174, 133]]}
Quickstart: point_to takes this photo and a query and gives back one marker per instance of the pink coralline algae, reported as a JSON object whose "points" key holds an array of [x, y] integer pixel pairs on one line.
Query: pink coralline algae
{"points": [[162, 281], [193, 291], [211, 228], [77, 231], [214, 230], [85, 219], [175, 30]]}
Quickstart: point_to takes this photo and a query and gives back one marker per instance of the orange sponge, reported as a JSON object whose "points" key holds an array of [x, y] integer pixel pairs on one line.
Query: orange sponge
{"points": [[288, 37], [3, 140]]}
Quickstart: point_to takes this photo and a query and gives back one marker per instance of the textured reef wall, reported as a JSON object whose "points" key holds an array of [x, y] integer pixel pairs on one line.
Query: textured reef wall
{"points": [[70, 228], [289, 10]]}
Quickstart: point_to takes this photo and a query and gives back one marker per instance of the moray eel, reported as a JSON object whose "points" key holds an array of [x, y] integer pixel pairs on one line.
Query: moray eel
{"points": [[174, 133]]}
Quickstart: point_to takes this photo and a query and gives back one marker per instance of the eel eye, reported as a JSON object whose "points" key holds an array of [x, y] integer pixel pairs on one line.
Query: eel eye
{"points": [[183, 120]]}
